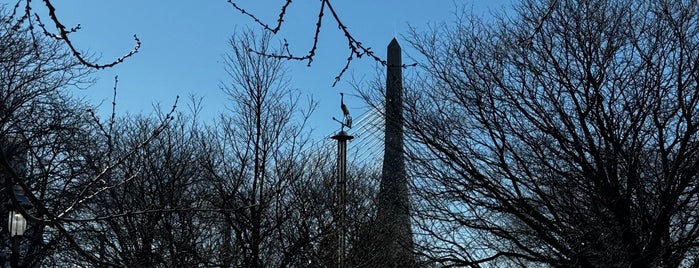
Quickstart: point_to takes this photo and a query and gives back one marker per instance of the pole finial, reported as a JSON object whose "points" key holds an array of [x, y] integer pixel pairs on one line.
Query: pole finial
{"points": [[346, 117]]}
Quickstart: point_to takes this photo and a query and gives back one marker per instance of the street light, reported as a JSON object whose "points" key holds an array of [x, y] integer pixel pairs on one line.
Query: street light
{"points": [[16, 224], [11, 147]]}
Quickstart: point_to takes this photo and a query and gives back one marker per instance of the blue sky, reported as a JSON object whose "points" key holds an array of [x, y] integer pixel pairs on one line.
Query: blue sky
{"points": [[184, 43]]}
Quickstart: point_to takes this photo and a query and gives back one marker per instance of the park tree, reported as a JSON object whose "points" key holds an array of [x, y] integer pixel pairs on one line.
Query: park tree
{"points": [[260, 148], [272, 188], [159, 191], [151, 211], [39, 127], [569, 141], [55, 149]]}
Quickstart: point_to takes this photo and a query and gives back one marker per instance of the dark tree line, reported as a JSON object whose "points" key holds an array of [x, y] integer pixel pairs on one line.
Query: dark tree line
{"points": [[565, 142], [561, 135], [247, 190]]}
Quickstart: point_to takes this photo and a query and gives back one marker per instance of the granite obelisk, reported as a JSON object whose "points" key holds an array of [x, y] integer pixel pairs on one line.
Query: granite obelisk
{"points": [[395, 242]]}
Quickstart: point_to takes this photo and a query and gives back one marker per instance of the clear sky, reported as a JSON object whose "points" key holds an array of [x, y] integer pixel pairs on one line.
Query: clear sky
{"points": [[184, 43]]}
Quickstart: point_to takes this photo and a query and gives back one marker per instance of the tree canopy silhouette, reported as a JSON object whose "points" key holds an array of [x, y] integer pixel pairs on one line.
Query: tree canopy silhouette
{"points": [[568, 142]]}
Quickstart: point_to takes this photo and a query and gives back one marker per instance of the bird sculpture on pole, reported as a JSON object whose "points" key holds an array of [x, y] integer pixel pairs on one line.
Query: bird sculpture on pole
{"points": [[347, 118], [345, 111]]}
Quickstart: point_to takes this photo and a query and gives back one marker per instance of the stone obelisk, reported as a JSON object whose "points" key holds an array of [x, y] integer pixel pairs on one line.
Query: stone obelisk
{"points": [[395, 242]]}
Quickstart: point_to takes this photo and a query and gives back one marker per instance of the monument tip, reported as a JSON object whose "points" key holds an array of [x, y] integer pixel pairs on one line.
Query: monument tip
{"points": [[394, 42]]}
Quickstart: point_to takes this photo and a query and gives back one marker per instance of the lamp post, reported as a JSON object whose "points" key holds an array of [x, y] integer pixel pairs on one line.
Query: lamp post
{"points": [[16, 224], [11, 147]]}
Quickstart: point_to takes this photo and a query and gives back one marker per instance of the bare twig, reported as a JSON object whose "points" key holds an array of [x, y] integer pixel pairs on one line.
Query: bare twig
{"points": [[258, 21], [540, 24], [63, 32], [356, 48], [100, 177]]}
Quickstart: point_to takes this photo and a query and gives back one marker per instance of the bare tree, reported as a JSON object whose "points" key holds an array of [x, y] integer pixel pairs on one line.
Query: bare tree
{"points": [[275, 189], [121, 193], [150, 212], [262, 148], [65, 152], [568, 142], [37, 118]]}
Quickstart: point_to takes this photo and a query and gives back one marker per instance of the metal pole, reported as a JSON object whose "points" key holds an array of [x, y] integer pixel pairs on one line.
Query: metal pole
{"points": [[342, 139], [14, 256]]}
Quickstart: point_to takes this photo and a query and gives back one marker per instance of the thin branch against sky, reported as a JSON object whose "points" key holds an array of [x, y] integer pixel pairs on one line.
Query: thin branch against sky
{"points": [[180, 45]]}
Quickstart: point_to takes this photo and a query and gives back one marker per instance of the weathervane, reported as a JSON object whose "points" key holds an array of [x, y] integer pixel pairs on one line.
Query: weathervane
{"points": [[347, 118], [341, 184]]}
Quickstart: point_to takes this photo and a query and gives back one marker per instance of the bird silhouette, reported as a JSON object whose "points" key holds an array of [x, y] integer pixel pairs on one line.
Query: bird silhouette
{"points": [[345, 111]]}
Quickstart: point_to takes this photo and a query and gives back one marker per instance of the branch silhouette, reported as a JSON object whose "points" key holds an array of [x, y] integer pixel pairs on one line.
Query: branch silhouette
{"points": [[62, 33], [356, 48]]}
